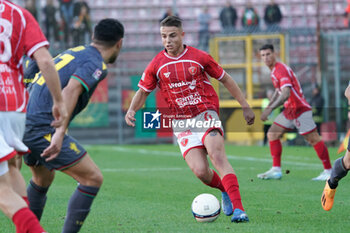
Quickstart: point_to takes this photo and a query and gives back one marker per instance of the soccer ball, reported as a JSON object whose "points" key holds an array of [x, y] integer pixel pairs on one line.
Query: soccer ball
{"points": [[205, 208]]}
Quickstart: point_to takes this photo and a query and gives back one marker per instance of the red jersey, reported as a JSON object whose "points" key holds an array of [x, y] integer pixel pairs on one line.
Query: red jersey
{"points": [[20, 34], [283, 76], [183, 81]]}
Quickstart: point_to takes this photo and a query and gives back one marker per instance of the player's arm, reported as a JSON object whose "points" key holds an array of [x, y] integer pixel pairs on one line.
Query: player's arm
{"points": [[236, 92], [281, 98], [49, 72], [70, 96], [274, 96], [137, 102]]}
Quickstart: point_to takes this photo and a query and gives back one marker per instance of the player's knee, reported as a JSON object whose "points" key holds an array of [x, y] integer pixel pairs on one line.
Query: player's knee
{"points": [[201, 173], [43, 181], [94, 179], [272, 136], [217, 157]]}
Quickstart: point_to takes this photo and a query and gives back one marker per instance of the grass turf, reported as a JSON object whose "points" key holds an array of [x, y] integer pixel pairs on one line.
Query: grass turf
{"points": [[149, 188]]}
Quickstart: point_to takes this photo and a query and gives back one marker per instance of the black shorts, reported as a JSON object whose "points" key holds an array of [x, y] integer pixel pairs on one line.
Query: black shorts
{"points": [[38, 139]]}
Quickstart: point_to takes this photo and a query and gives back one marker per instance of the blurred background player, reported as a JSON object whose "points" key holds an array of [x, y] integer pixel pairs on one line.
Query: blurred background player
{"points": [[196, 100], [296, 114], [81, 69], [340, 169], [20, 34]]}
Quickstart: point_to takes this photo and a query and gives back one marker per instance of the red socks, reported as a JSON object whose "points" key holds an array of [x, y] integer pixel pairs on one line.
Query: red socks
{"points": [[26, 222], [322, 153], [230, 183], [276, 152], [216, 182]]}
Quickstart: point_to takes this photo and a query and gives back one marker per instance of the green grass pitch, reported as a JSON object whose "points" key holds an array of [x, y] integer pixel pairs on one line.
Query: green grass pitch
{"points": [[149, 188]]}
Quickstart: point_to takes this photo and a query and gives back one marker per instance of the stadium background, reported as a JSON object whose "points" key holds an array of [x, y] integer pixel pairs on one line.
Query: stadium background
{"points": [[311, 39]]}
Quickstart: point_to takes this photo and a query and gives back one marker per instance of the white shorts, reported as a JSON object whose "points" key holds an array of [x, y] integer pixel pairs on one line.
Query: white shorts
{"points": [[304, 123], [12, 125], [190, 133]]}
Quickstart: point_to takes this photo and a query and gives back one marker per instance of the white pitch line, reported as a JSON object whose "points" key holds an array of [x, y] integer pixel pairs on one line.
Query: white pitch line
{"points": [[143, 169], [234, 157]]}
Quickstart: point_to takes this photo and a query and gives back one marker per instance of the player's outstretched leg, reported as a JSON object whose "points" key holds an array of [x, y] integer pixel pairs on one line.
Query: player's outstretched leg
{"points": [[338, 172], [275, 173], [226, 204], [37, 198], [239, 216], [327, 198], [90, 180], [231, 185], [322, 153]]}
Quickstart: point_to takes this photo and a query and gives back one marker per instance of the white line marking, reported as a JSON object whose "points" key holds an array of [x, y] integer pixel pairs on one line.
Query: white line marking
{"points": [[233, 157], [166, 169]]}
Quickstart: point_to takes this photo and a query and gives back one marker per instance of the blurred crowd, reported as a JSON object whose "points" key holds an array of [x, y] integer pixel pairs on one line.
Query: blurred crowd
{"points": [[66, 23]]}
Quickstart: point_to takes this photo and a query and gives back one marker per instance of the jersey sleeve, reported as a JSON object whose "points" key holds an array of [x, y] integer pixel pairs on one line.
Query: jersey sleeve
{"points": [[148, 80], [213, 68], [284, 77], [89, 74], [34, 38]]}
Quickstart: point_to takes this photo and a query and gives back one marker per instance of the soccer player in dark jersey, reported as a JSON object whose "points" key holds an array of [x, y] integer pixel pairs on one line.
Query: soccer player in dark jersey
{"points": [[340, 169], [180, 71], [20, 35], [297, 113], [80, 70]]}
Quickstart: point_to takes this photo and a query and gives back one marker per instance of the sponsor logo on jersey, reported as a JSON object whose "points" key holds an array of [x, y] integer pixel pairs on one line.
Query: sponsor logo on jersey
{"points": [[189, 100], [191, 84], [97, 74]]}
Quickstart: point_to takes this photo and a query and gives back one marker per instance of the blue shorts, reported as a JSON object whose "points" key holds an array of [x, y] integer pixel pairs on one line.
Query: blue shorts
{"points": [[38, 139]]}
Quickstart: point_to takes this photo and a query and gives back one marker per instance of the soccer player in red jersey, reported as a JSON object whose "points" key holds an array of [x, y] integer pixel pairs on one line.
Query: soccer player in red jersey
{"points": [[180, 71], [297, 113], [19, 35]]}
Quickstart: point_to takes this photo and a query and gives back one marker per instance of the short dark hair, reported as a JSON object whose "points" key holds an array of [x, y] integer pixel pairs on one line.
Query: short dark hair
{"points": [[267, 46], [171, 21], [108, 31]]}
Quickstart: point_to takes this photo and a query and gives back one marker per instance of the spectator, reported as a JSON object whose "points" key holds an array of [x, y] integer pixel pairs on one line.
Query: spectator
{"points": [[168, 12], [50, 22], [30, 6], [250, 18], [228, 17], [66, 10], [204, 34], [272, 16], [317, 102], [81, 23]]}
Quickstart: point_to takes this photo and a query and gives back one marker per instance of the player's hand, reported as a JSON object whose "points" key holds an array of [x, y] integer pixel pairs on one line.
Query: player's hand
{"points": [[60, 114], [249, 115], [52, 151], [265, 115], [130, 118]]}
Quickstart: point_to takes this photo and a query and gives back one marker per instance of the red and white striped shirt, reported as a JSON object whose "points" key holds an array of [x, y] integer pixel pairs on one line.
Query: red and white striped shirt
{"points": [[183, 81], [20, 34], [283, 76]]}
